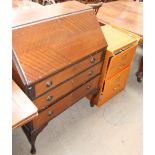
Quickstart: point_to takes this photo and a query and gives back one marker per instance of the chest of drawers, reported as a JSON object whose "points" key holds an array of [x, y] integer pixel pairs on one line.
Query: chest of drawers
{"points": [[119, 55], [57, 59]]}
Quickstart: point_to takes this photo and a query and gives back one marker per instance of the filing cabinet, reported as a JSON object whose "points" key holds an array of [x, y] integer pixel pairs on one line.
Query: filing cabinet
{"points": [[114, 85], [118, 59]]}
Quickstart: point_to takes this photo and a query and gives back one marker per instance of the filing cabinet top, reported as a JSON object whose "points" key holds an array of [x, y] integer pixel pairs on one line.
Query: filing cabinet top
{"points": [[116, 39]]}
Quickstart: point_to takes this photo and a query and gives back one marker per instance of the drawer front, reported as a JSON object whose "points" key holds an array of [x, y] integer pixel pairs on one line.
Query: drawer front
{"points": [[67, 73], [120, 61], [114, 85], [64, 103], [67, 87]]}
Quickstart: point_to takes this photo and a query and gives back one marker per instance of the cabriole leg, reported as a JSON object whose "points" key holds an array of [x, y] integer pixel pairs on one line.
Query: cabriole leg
{"points": [[31, 135]]}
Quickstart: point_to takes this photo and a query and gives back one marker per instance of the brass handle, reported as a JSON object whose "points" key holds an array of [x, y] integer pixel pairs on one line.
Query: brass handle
{"points": [[49, 84], [49, 98], [50, 113], [88, 86], [92, 60], [90, 73], [45, 107], [116, 88]]}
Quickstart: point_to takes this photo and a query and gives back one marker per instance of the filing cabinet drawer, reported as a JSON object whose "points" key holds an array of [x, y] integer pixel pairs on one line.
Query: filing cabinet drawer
{"points": [[64, 103], [67, 73], [120, 61], [114, 85], [68, 86]]}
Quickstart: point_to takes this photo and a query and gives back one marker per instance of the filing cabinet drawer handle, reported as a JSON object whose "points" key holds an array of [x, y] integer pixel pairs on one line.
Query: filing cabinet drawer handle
{"points": [[117, 88], [49, 84], [49, 98], [50, 113], [92, 60]]}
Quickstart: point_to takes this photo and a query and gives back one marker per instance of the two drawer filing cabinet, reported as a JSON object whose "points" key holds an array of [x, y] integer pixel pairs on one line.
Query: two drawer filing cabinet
{"points": [[58, 54], [119, 55]]}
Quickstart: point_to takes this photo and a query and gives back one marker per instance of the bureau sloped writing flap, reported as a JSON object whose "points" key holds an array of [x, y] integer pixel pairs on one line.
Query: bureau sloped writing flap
{"points": [[42, 49]]}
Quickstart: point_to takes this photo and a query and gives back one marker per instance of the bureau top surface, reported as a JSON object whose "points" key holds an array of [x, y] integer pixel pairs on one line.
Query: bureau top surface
{"points": [[37, 13], [41, 49], [116, 39]]}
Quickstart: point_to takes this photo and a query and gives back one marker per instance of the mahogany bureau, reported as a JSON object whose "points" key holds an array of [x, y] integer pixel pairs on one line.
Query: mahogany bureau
{"points": [[58, 52]]}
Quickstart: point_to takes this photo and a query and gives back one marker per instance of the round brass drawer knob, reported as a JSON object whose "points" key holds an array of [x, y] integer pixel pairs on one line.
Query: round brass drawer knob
{"points": [[90, 73], [88, 86], [49, 98], [92, 60], [50, 113], [49, 84]]}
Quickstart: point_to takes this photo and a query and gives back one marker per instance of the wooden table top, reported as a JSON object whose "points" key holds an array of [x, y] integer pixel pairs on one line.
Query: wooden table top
{"points": [[124, 14], [39, 13], [23, 110]]}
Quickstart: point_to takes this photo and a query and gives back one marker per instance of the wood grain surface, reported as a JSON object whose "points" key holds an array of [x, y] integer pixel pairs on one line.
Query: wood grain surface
{"points": [[23, 110], [49, 46], [65, 103], [47, 41], [121, 61], [68, 73], [27, 16], [116, 38], [67, 87], [124, 14], [114, 85]]}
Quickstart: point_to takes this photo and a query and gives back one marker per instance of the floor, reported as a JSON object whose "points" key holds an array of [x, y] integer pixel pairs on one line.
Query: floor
{"points": [[113, 129]]}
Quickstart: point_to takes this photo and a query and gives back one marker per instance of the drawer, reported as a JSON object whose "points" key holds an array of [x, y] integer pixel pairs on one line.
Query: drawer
{"points": [[64, 103], [114, 85], [67, 73], [120, 61], [67, 87]]}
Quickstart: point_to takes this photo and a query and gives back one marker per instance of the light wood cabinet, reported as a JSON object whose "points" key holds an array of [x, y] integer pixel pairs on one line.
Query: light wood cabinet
{"points": [[118, 59]]}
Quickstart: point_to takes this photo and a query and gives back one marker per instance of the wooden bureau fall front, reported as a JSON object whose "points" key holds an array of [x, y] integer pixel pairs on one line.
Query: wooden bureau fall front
{"points": [[58, 53]]}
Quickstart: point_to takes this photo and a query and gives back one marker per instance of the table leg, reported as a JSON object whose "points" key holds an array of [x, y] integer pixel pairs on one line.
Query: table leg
{"points": [[139, 73]]}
